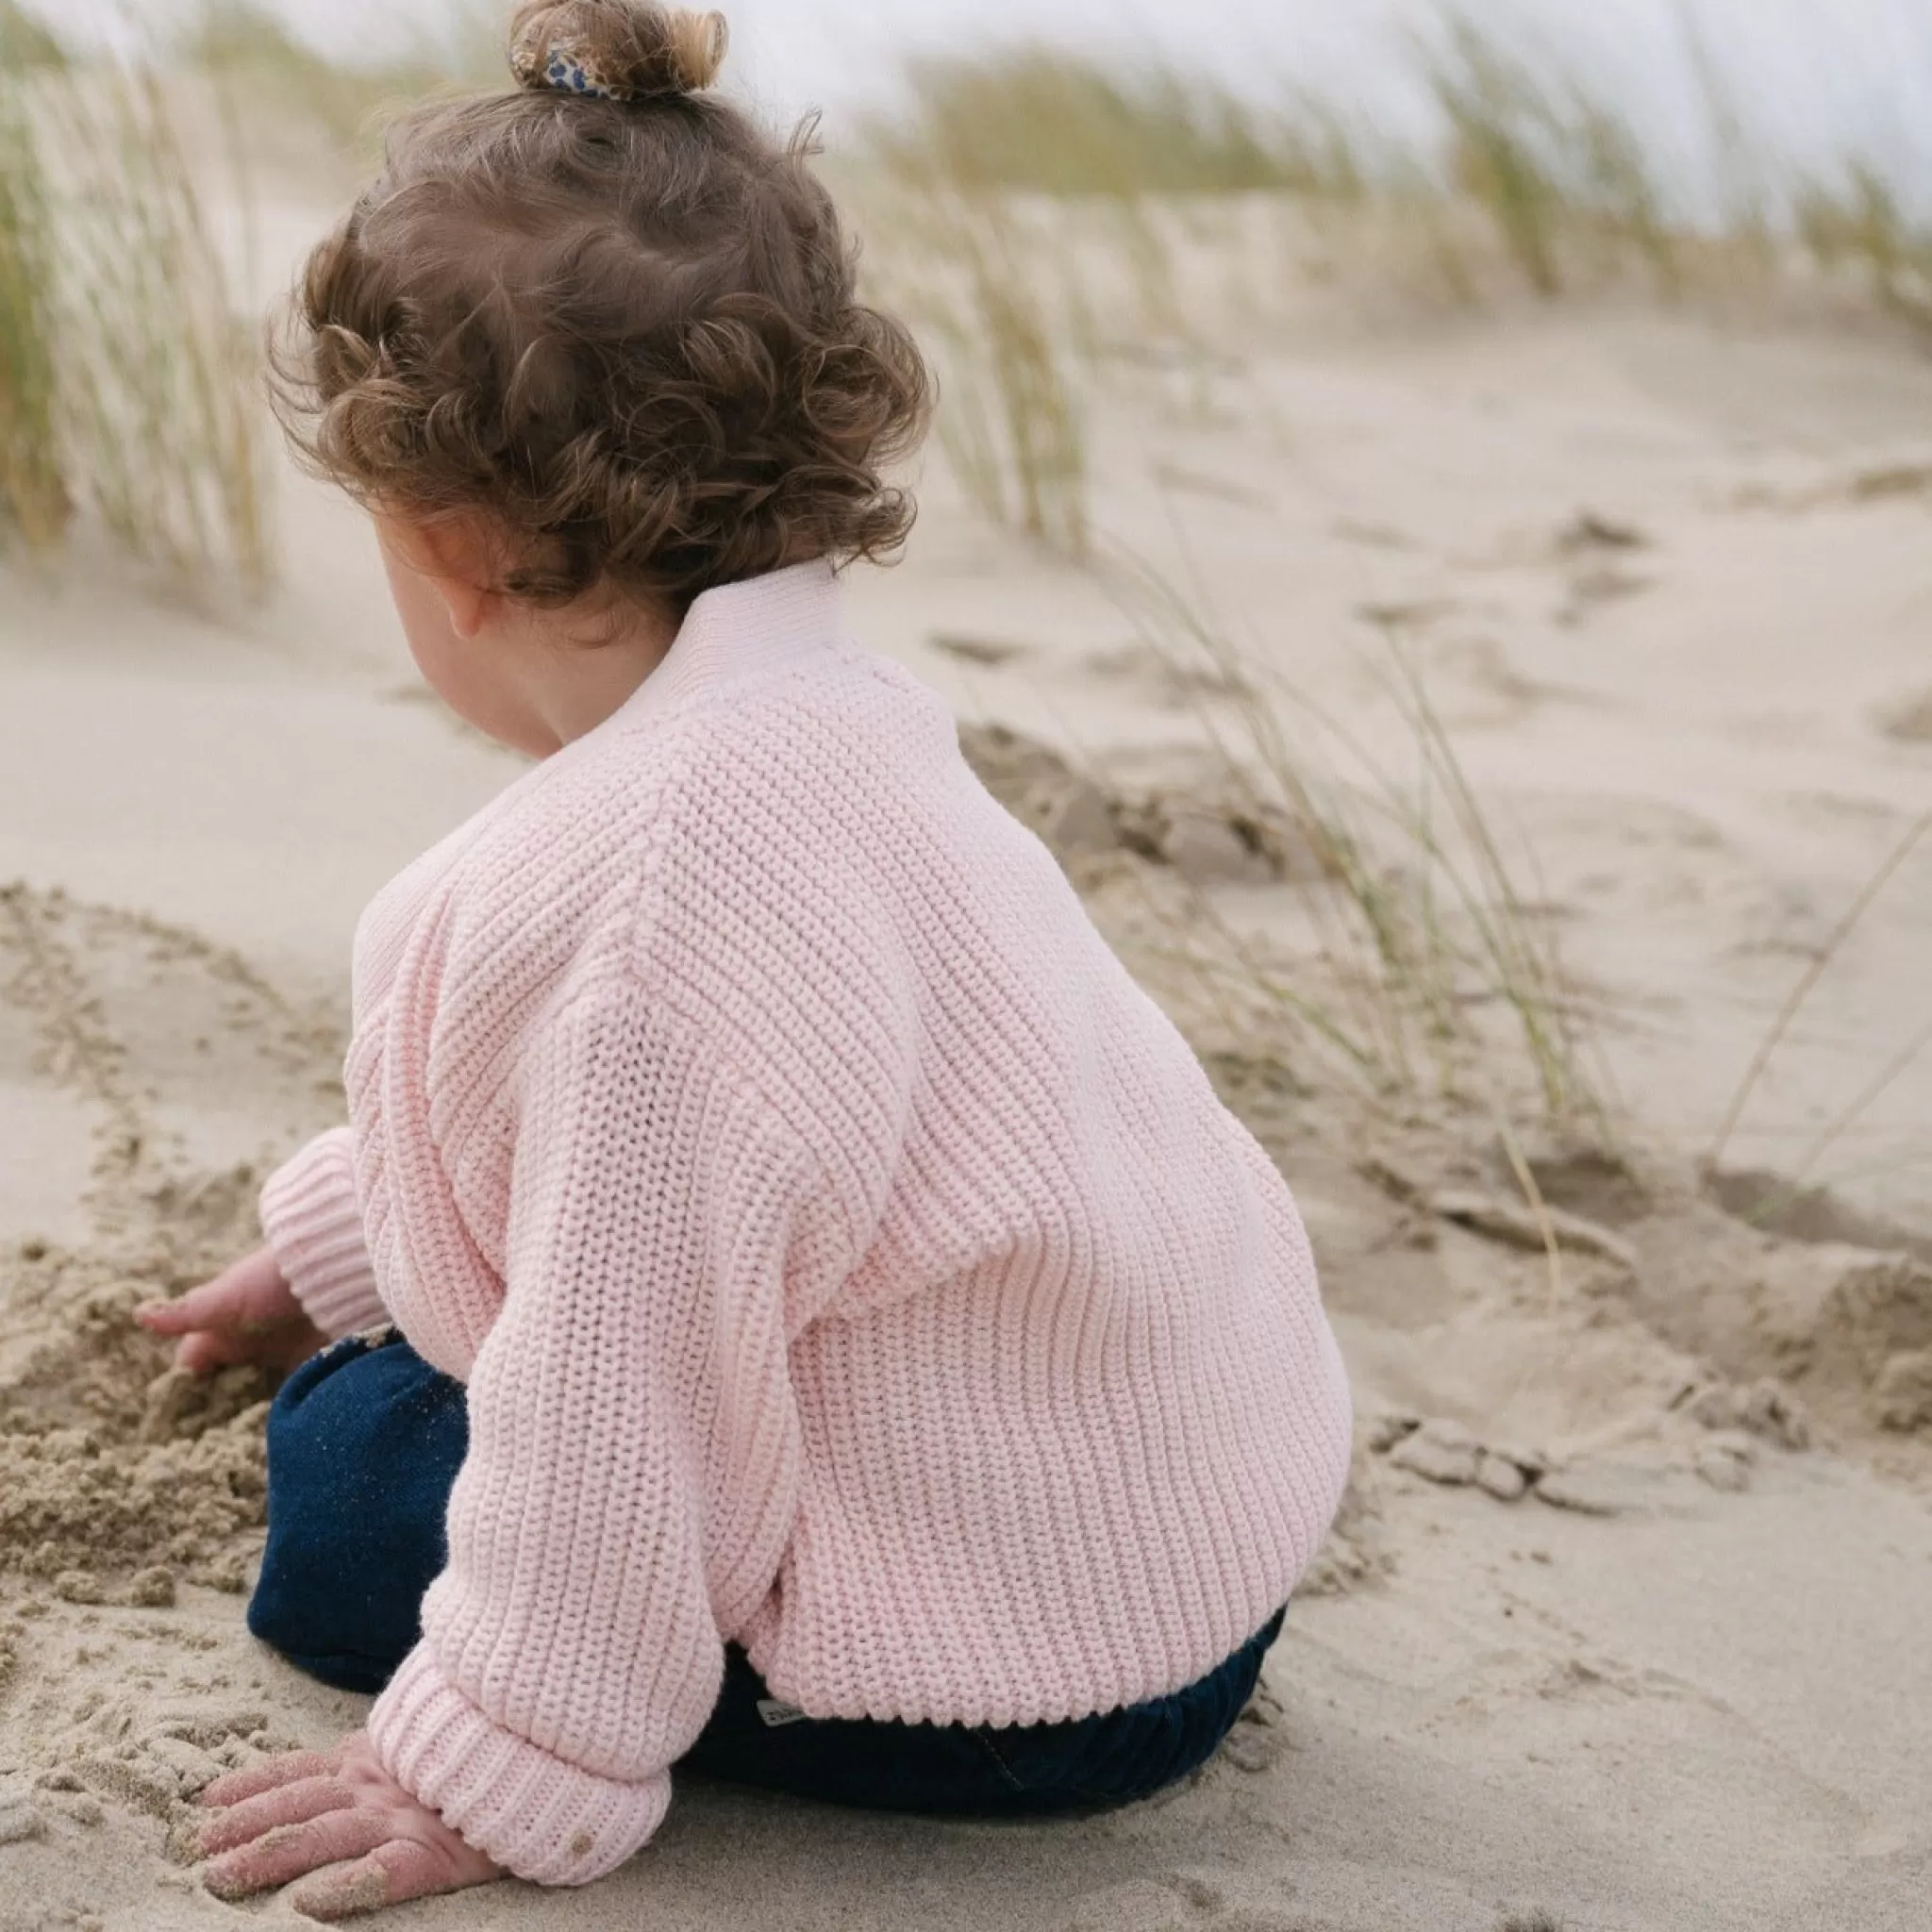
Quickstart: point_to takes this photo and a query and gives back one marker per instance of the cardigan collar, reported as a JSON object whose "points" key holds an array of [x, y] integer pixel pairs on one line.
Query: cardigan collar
{"points": [[746, 630]]}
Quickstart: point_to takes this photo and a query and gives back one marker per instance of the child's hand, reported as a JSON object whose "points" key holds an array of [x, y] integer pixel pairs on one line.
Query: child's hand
{"points": [[249, 1314], [293, 1815]]}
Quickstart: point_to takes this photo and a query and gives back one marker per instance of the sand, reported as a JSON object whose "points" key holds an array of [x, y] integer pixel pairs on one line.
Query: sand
{"points": [[1625, 1621]]}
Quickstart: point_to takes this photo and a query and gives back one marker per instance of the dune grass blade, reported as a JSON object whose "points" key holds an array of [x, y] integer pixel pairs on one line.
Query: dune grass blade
{"points": [[34, 503], [1236, 961], [1360, 949], [1867, 1097], [1031, 118], [973, 281], [165, 435], [1742, 213], [1858, 221], [1807, 983], [126, 381], [1621, 186], [27, 43], [1539, 1207], [1409, 929], [1502, 130], [246, 45], [1526, 974]]}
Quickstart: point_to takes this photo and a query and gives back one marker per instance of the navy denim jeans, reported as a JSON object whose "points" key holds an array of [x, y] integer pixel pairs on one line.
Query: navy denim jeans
{"points": [[364, 1444]]}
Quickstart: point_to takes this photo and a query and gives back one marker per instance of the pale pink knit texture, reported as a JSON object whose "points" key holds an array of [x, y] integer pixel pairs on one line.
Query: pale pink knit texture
{"points": [[845, 1257]]}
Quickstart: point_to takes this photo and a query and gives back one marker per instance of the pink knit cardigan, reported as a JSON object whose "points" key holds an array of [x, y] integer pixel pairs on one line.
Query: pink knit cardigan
{"points": [[844, 1257]]}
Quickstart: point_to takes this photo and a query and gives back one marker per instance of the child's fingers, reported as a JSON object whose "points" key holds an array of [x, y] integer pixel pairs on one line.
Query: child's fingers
{"points": [[296, 1804], [170, 1318], [213, 1304], [292, 1850], [391, 1876], [252, 1291], [272, 1772], [207, 1350]]}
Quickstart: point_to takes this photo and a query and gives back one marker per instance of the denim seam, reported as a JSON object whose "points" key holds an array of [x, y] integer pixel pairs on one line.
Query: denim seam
{"points": [[1057, 1787], [983, 1733]]}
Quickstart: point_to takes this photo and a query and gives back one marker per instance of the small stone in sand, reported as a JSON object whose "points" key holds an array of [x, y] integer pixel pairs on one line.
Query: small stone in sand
{"points": [[1501, 1478], [1439, 1452]]}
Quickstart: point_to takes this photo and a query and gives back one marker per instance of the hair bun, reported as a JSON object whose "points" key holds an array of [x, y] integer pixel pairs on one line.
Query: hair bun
{"points": [[622, 50]]}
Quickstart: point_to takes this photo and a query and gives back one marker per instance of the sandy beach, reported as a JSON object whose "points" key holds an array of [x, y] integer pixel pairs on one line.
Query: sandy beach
{"points": [[1624, 1622]]}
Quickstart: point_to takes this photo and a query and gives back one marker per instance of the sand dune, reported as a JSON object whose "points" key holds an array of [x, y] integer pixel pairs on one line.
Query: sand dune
{"points": [[1625, 1621]]}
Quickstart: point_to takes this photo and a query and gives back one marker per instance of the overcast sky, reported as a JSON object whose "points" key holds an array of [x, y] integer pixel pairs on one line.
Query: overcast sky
{"points": [[1819, 74]]}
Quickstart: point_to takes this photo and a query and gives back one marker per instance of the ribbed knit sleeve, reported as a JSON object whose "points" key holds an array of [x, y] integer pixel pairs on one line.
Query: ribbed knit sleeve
{"points": [[312, 1221], [635, 1449]]}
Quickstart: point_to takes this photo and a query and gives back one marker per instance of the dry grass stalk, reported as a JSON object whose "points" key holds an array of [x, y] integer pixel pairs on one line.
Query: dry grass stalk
{"points": [[1807, 983], [127, 382], [1856, 221], [1502, 135], [34, 501], [246, 46], [1567, 178], [1868, 1096], [1419, 922], [167, 432], [1032, 120], [1559, 170], [969, 275], [250, 50]]}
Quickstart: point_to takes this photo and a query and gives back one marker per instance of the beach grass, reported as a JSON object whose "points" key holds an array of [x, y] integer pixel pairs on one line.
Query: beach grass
{"points": [[1419, 921], [1853, 219], [1036, 120], [128, 380], [244, 45], [1012, 419], [1562, 172], [1881, 1082], [253, 54], [34, 499]]}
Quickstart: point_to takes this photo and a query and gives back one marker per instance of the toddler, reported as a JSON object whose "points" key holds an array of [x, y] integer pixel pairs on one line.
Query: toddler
{"points": [[788, 1305]]}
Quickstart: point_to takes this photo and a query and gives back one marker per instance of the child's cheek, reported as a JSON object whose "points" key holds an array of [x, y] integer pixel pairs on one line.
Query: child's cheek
{"points": [[458, 670]]}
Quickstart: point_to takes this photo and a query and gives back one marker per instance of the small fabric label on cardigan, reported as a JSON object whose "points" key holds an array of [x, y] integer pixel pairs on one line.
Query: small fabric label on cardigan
{"points": [[776, 1713]]}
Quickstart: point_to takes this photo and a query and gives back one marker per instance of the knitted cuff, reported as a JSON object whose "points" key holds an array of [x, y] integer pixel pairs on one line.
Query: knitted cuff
{"points": [[537, 1816], [313, 1223]]}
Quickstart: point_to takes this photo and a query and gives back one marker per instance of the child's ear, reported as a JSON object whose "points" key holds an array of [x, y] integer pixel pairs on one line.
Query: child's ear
{"points": [[456, 561]]}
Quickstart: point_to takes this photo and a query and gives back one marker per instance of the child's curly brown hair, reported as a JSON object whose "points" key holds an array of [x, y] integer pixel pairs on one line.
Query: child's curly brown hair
{"points": [[614, 317]]}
